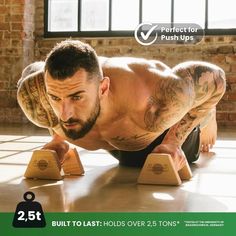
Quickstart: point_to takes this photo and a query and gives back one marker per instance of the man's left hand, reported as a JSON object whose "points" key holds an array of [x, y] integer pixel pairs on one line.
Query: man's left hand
{"points": [[176, 153]]}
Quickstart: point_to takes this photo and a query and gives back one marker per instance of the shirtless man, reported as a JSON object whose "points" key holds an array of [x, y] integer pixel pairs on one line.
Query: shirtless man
{"points": [[127, 106]]}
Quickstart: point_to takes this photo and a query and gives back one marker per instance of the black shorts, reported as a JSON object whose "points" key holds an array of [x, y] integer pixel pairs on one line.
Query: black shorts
{"points": [[191, 148]]}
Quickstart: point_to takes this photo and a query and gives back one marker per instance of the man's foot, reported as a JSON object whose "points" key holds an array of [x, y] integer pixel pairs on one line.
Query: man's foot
{"points": [[208, 133]]}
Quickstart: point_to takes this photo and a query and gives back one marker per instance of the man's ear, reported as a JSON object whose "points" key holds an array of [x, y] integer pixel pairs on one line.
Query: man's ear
{"points": [[104, 86]]}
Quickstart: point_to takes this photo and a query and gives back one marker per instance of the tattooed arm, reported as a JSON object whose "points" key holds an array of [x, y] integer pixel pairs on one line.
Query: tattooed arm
{"points": [[190, 97], [209, 86]]}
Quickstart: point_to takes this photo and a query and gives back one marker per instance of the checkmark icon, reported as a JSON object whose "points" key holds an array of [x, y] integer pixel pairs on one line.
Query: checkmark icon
{"points": [[147, 35], [142, 37]]}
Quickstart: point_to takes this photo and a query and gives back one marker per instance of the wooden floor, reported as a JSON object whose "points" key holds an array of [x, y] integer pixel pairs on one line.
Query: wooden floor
{"points": [[107, 187]]}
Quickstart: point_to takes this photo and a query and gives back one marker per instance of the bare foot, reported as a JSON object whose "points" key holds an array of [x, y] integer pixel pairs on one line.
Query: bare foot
{"points": [[208, 133]]}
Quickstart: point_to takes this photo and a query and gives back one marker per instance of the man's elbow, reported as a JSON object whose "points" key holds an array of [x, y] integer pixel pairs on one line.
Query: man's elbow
{"points": [[220, 80]]}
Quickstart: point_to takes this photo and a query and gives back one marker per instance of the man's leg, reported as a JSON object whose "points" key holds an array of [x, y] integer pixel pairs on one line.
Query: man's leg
{"points": [[208, 132]]}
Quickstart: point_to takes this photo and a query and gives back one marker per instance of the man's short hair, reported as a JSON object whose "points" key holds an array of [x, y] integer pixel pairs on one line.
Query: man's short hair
{"points": [[68, 56]]}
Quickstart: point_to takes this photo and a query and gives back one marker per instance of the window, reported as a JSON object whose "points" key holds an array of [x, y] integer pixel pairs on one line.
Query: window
{"points": [[63, 15], [94, 15], [94, 18], [182, 14], [156, 11], [221, 14]]}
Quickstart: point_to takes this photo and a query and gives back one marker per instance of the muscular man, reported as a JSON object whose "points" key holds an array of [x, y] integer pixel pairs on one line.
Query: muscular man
{"points": [[127, 106]]}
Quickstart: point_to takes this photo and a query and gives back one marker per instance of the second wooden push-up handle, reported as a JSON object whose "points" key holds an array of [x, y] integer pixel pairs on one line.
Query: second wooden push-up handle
{"points": [[159, 169]]}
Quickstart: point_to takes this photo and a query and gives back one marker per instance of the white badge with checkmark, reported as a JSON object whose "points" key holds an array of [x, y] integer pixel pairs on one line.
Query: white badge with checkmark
{"points": [[144, 38]]}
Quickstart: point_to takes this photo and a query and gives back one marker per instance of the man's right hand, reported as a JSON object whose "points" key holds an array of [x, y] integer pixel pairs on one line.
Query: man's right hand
{"points": [[59, 145]]}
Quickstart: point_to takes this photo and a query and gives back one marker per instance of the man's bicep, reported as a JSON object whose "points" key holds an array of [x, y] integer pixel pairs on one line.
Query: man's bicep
{"points": [[208, 80]]}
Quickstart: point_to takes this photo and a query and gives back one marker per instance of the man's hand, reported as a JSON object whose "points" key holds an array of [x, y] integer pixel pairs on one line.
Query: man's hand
{"points": [[176, 153], [59, 145]]}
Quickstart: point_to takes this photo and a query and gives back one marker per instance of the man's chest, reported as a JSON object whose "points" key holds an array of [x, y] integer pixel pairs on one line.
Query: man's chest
{"points": [[128, 136], [123, 134]]}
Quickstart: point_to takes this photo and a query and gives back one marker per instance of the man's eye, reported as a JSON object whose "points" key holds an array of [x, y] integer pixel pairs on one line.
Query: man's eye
{"points": [[54, 98], [76, 98]]}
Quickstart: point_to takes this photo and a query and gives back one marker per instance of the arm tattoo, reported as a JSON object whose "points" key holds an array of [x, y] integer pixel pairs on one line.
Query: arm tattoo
{"points": [[33, 100], [186, 124], [166, 105], [209, 81], [209, 87]]}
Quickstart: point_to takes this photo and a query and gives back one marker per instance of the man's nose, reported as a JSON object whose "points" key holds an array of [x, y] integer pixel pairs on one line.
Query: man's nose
{"points": [[66, 111]]}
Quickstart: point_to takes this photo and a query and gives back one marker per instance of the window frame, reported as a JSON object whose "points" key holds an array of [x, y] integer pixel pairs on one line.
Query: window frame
{"points": [[119, 33]]}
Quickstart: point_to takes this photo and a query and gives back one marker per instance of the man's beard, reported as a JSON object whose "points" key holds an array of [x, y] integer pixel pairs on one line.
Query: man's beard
{"points": [[86, 126]]}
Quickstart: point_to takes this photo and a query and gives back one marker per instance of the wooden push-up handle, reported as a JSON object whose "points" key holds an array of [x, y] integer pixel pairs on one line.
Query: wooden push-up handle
{"points": [[72, 164], [44, 164], [159, 169]]}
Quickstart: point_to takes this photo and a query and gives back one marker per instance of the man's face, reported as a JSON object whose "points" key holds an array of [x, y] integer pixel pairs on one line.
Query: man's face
{"points": [[75, 101]]}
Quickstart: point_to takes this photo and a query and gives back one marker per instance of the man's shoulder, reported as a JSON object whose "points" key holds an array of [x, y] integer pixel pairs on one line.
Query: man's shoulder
{"points": [[137, 65], [133, 76], [123, 61]]}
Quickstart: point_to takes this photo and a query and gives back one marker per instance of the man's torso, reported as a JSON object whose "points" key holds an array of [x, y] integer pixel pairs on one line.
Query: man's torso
{"points": [[127, 126]]}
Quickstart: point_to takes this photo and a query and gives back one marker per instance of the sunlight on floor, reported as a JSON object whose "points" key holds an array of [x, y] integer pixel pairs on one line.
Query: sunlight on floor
{"points": [[108, 187]]}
